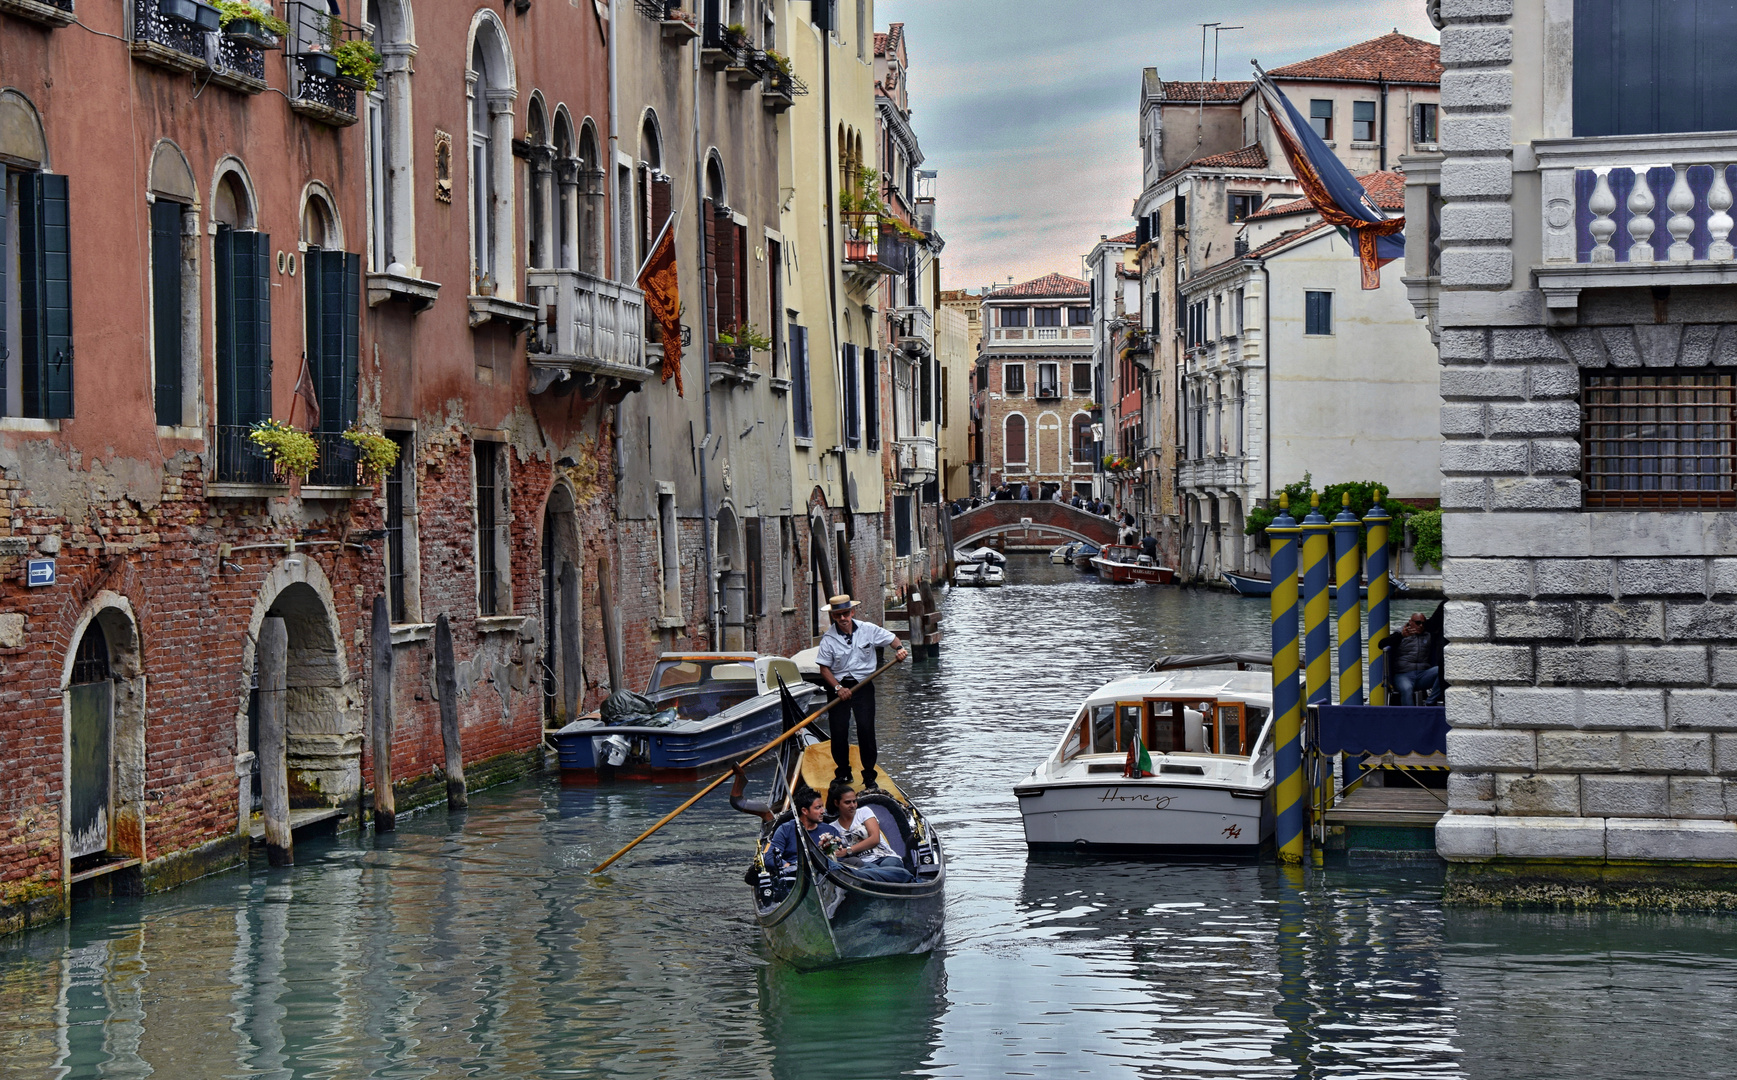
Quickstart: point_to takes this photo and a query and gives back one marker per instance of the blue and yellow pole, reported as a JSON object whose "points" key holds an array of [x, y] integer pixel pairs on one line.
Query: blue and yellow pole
{"points": [[1288, 726], [1349, 575], [1377, 523], [1317, 664]]}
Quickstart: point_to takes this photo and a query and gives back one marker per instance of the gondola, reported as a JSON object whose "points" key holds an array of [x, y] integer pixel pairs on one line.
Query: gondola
{"points": [[822, 914]]}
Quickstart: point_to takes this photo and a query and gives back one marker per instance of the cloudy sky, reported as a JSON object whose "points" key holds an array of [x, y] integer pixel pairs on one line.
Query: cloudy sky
{"points": [[1029, 107]]}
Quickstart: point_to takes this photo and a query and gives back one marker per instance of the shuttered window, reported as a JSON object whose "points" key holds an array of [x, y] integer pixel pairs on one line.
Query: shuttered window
{"points": [[852, 423], [243, 349], [1014, 453], [332, 286], [801, 399], [166, 310], [1317, 313], [36, 288], [871, 394], [1652, 66]]}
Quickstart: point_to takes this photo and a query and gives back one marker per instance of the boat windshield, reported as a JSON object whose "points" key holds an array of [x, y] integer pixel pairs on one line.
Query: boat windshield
{"points": [[676, 674], [1167, 725]]}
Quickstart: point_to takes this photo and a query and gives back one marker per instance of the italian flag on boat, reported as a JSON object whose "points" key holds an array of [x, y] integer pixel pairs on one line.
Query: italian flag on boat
{"points": [[1139, 762]]}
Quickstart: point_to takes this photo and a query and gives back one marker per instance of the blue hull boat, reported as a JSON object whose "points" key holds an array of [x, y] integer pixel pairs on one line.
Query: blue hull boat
{"points": [[1253, 586], [730, 710]]}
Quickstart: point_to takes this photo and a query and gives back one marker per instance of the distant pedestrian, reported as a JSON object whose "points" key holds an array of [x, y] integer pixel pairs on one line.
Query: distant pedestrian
{"points": [[1149, 546], [1025, 492]]}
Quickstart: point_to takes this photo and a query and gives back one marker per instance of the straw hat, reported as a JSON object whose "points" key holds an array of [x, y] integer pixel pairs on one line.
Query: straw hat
{"points": [[842, 602]]}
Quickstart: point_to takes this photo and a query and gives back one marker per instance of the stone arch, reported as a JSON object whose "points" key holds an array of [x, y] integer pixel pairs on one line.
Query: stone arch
{"points": [[487, 31], [323, 711], [567, 187], [732, 576], [321, 226], [717, 182], [171, 176], [115, 700], [393, 21], [233, 200], [562, 615], [22, 139], [651, 140]]}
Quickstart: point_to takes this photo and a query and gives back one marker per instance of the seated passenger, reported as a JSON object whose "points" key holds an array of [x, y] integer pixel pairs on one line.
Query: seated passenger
{"points": [[785, 846], [866, 850]]}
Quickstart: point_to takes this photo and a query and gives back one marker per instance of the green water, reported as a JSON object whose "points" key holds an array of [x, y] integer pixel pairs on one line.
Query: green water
{"points": [[479, 944]]}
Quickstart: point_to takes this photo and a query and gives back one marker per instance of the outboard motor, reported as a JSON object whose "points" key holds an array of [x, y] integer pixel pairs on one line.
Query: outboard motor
{"points": [[612, 750]]}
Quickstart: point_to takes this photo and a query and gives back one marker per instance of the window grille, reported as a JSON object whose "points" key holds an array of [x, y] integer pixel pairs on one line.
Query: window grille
{"points": [[1660, 441]]}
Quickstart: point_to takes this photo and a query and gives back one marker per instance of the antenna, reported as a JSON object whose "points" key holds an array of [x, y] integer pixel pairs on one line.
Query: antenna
{"points": [[1217, 30]]}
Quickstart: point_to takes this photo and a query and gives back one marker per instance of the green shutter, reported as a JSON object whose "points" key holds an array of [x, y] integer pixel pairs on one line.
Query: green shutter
{"points": [[166, 309], [243, 327], [337, 333], [45, 295], [5, 263], [224, 275]]}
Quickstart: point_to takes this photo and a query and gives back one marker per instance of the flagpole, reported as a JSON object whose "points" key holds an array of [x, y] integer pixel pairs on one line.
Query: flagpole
{"points": [[651, 251]]}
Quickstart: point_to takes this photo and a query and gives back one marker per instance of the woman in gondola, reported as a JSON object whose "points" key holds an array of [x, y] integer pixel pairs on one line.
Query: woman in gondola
{"points": [[866, 851]]}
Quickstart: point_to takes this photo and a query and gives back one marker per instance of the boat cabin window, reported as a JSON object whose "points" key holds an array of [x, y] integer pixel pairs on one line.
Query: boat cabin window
{"points": [[1103, 729], [1077, 736], [672, 674], [1230, 728]]}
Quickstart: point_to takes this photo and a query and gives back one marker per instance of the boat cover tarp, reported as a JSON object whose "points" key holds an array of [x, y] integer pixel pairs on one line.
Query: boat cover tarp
{"points": [[1169, 663], [1386, 729]]}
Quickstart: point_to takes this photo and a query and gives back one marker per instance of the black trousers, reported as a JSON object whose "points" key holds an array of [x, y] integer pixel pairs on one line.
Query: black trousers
{"points": [[862, 706]]}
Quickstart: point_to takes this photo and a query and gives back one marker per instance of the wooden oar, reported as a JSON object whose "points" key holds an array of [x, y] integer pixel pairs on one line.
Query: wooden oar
{"points": [[667, 818]]}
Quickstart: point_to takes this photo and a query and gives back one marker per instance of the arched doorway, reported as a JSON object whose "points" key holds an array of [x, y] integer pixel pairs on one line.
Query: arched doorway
{"points": [[732, 580], [820, 581], [322, 711], [91, 750], [562, 621], [103, 710]]}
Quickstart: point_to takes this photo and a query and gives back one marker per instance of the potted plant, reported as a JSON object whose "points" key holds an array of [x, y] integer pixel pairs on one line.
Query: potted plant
{"points": [[316, 61], [376, 452], [730, 350], [291, 452], [197, 14], [251, 23], [357, 62], [735, 36]]}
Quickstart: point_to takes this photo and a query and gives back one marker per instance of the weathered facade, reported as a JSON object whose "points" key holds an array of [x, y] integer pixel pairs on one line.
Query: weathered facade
{"points": [[1583, 294], [1037, 406]]}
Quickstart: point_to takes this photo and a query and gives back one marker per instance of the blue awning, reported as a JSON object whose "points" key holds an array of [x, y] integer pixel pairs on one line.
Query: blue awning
{"points": [[1368, 729]]}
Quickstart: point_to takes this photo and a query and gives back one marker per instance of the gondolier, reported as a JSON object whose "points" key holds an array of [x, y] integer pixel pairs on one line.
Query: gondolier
{"points": [[847, 654]]}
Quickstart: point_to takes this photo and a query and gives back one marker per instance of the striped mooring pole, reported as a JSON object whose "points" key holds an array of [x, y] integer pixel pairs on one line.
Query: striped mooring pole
{"points": [[1377, 521], [1287, 709], [1349, 575], [1317, 661]]}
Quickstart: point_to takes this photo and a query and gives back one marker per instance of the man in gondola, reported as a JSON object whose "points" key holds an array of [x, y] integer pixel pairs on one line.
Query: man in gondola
{"points": [[847, 656]]}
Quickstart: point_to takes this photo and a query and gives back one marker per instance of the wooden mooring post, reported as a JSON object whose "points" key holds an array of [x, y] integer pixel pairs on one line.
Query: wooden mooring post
{"points": [[273, 649], [385, 803], [446, 683]]}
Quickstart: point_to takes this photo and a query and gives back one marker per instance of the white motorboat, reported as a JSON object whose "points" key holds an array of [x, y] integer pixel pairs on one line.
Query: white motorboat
{"points": [[986, 554], [1064, 553], [1210, 790], [982, 574]]}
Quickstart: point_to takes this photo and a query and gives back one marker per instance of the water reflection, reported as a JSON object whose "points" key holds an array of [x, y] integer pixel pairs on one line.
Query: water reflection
{"points": [[480, 943]]}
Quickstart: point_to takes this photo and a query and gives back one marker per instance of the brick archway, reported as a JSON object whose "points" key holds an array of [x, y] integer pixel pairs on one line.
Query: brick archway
{"points": [[1011, 515]]}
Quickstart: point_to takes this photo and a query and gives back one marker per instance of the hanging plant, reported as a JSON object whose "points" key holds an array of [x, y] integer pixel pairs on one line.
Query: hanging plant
{"points": [[746, 337], [291, 452], [358, 60], [376, 452], [229, 11], [779, 61]]}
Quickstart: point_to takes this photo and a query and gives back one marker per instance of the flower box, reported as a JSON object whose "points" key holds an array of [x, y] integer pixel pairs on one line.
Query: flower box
{"points": [[196, 14], [318, 63], [251, 32]]}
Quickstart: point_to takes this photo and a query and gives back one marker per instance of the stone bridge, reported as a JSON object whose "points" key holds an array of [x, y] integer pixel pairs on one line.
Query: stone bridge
{"points": [[1011, 515]]}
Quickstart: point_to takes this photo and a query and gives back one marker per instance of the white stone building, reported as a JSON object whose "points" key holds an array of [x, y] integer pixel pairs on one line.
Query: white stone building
{"points": [[1586, 302]]}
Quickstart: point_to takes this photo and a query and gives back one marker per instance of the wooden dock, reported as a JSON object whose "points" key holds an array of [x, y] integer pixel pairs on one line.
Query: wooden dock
{"points": [[300, 819], [1390, 822]]}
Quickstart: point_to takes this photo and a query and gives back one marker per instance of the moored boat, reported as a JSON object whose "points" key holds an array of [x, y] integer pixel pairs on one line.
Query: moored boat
{"points": [[1064, 553], [1175, 762], [979, 573], [1084, 555], [1124, 564], [821, 913], [709, 709], [1255, 586]]}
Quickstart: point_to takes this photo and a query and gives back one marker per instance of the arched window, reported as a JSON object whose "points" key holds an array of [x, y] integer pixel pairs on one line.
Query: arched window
{"points": [[541, 212], [592, 218], [175, 332], [35, 281], [653, 191], [331, 299], [242, 268], [390, 187], [489, 83], [1082, 438], [1013, 441], [726, 252], [567, 201]]}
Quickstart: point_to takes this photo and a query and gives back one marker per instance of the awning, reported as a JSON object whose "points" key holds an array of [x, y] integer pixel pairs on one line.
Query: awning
{"points": [[1392, 729]]}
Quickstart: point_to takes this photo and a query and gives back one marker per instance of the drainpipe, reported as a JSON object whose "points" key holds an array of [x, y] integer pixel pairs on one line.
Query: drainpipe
{"points": [[1383, 80], [832, 273], [705, 342]]}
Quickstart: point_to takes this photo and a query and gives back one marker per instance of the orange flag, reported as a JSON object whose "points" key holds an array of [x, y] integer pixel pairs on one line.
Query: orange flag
{"points": [[657, 278]]}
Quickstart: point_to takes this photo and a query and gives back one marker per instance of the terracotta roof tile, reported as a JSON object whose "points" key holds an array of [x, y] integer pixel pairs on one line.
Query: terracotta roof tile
{"points": [[1284, 238], [1252, 156], [1399, 58], [1386, 188], [1205, 91], [1125, 238], [1047, 285], [880, 44]]}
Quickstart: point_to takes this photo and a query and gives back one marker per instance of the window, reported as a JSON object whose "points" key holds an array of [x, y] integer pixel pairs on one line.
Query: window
{"points": [[1317, 312], [801, 401], [389, 185], [1664, 440], [243, 272], [1082, 438], [493, 555], [669, 552], [400, 530], [1049, 380], [1649, 66], [871, 397], [1013, 446], [1321, 118], [1013, 378], [1079, 316], [35, 293], [1218, 317], [1180, 217], [775, 303], [1197, 315], [489, 85], [1012, 316], [1236, 307], [1363, 121], [852, 404], [331, 304], [1082, 384], [1046, 316], [926, 390], [728, 255], [901, 525], [1243, 203], [1424, 119], [166, 309]]}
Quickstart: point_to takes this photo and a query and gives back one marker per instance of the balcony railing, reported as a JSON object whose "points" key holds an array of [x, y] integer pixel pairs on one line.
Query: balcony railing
{"points": [[178, 45], [321, 92], [1636, 211], [46, 12], [237, 458], [915, 329], [916, 457], [339, 461], [588, 326], [873, 247]]}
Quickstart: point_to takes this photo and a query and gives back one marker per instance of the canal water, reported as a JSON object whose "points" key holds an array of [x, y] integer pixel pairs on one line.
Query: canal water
{"points": [[480, 944]]}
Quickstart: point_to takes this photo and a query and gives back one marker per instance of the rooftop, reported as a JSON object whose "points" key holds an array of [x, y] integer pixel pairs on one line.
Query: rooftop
{"points": [[1049, 285], [1205, 91], [1387, 189], [1398, 58], [1252, 156]]}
